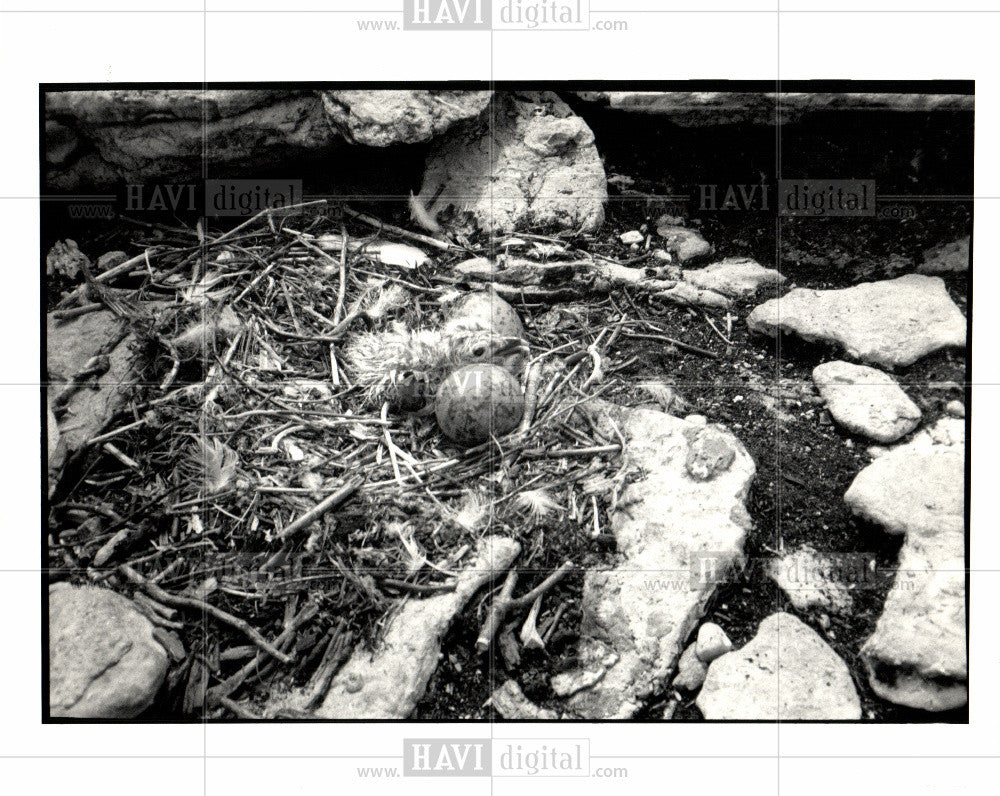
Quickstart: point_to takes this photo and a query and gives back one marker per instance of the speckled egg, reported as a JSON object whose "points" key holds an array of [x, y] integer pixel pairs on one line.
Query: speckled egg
{"points": [[478, 401], [490, 310]]}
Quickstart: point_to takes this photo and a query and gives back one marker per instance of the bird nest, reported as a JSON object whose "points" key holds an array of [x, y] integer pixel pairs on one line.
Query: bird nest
{"points": [[265, 511]]}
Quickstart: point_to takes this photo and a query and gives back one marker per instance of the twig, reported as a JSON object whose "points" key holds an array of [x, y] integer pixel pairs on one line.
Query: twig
{"points": [[498, 610], [234, 681], [544, 586], [334, 655], [417, 588], [194, 604], [674, 342], [558, 453], [321, 508], [414, 236], [342, 287], [550, 628], [530, 397]]}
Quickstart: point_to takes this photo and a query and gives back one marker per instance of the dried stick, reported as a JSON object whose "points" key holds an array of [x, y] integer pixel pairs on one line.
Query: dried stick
{"points": [[544, 586], [414, 236], [234, 681], [321, 508], [498, 610], [194, 604]]}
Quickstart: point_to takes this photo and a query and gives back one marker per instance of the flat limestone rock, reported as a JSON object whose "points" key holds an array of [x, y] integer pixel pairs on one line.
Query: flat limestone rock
{"points": [[811, 580], [948, 258], [678, 522], [71, 344], [786, 672], [734, 277], [103, 660], [710, 108], [890, 323], [866, 401], [384, 118], [917, 655], [141, 136], [529, 161], [387, 683], [684, 243]]}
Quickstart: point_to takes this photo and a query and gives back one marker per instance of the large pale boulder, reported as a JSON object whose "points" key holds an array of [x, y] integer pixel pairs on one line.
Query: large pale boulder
{"points": [[682, 522], [528, 161], [103, 660], [140, 136], [704, 108], [102, 346]]}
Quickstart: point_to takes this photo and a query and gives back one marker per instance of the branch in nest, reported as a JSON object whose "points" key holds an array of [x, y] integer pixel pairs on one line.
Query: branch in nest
{"points": [[192, 603], [527, 278]]}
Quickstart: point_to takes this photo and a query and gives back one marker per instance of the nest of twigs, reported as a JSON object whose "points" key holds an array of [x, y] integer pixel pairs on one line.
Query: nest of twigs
{"points": [[264, 514]]}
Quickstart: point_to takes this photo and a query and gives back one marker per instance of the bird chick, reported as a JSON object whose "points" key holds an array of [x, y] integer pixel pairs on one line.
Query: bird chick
{"points": [[405, 366]]}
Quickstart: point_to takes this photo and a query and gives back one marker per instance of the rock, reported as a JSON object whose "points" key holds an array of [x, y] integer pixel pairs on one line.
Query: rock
{"points": [[683, 243], [109, 260], [709, 108], [65, 259], [676, 531], [60, 143], [712, 642], [810, 580], [711, 453], [787, 672], [890, 323], [387, 683], [103, 660], [383, 118], [632, 236], [917, 655], [52, 432], [866, 401], [511, 703], [529, 161], [691, 670], [948, 258], [955, 408], [72, 344], [736, 277], [145, 135]]}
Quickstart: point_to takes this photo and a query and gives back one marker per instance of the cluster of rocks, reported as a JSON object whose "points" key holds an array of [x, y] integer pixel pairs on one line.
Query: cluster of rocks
{"points": [[917, 656], [498, 160], [637, 616]]}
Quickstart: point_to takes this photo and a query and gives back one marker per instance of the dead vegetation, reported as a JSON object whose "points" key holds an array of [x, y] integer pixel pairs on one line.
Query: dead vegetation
{"points": [[266, 516]]}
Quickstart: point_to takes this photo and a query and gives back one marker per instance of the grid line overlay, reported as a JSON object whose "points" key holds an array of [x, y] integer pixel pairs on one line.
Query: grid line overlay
{"points": [[779, 484]]}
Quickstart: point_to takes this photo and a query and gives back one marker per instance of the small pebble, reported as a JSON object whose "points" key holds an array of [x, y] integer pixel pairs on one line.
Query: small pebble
{"points": [[955, 408], [632, 236], [712, 642], [691, 670]]}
